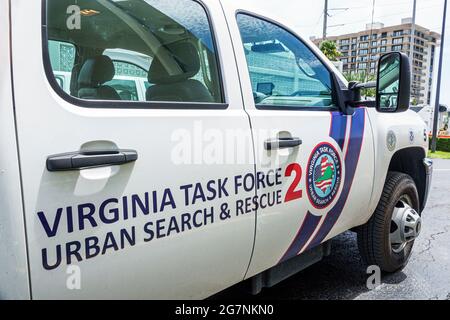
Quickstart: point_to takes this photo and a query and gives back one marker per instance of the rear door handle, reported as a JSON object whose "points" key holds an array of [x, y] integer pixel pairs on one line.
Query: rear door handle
{"points": [[89, 159], [282, 143]]}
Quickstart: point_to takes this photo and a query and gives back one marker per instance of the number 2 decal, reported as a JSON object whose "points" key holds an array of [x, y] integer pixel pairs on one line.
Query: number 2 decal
{"points": [[293, 194]]}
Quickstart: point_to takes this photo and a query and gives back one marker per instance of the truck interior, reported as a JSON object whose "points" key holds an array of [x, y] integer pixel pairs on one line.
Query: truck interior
{"points": [[180, 49]]}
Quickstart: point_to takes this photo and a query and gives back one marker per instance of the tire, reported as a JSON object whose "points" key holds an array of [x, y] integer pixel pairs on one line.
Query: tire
{"points": [[373, 237]]}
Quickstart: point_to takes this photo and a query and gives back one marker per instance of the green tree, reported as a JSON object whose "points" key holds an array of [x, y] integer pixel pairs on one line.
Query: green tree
{"points": [[330, 50], [362, 77]]}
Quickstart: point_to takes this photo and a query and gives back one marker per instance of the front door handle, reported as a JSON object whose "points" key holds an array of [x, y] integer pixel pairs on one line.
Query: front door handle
{"points": [[282, 143], [89, 159]]}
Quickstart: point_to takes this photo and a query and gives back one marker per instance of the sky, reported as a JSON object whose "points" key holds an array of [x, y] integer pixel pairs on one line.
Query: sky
{"points": [[357, 14]]}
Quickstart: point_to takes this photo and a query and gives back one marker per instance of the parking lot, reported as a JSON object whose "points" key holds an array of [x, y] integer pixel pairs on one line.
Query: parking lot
{"points": [[342, 275]]}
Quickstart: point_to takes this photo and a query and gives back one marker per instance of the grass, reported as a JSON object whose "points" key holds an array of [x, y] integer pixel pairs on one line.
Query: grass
{"points": [[439, 155]]}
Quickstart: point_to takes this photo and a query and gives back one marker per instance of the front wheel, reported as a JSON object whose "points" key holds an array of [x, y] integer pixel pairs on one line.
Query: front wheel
{"points": [[386, 240]]}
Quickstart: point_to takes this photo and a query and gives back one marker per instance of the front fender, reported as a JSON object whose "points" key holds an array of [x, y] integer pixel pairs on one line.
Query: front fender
{"points": [[405, 154]]}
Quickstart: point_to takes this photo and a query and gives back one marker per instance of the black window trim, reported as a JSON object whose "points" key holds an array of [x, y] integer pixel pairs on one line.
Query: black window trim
{"points": [[289, 30], [121, 105]]}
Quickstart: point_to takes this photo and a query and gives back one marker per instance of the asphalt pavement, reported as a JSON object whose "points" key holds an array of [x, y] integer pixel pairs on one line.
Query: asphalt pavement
{"points": [[343, 275]]}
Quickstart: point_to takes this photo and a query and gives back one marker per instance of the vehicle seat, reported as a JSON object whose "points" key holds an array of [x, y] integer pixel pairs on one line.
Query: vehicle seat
{"points": [[178, 87], [93, 74], [74, 79]]}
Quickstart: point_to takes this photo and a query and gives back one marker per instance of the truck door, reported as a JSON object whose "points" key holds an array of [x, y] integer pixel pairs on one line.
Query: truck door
{"points": [[127, 198], [324, 156]]}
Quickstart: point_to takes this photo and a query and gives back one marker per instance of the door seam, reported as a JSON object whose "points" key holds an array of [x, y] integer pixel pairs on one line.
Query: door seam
{"points": [[251, 134], [18, 150]]}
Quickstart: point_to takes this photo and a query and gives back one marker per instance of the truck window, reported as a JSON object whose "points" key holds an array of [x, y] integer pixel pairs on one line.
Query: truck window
{"points": [[284, 72], [127, 77], [62, 59], [126, 89], [62, 55], [60, 81], [173, 39]]}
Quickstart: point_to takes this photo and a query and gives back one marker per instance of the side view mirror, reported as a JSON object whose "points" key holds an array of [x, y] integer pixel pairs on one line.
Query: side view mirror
{"points": [[393, 88]]}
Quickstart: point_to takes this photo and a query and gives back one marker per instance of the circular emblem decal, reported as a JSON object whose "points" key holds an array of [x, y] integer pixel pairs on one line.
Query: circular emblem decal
{"points": [[324, 175]]}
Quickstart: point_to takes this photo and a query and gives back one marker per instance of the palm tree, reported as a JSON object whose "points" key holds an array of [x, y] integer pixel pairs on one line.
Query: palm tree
{"points": [[330, 50]]}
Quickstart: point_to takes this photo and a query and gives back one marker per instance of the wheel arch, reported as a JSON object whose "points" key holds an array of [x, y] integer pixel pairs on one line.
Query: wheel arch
{"points": [[410, 161]]}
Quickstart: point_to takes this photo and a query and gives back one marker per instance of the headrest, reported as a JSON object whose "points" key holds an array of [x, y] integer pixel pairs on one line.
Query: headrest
{"points": [[185, 54], [96, 71]]}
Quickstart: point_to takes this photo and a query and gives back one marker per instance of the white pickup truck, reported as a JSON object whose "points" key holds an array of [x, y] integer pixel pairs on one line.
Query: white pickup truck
{"points": [[247, 155]]}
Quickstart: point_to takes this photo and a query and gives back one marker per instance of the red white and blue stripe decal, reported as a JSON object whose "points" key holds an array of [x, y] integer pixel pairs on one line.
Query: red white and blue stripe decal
{"points": [[311, 222], [307, 228], [338, 128]]}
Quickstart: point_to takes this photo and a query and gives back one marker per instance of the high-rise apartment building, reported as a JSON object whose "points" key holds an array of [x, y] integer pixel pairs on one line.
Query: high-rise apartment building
{"points": [[361, 51]]}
